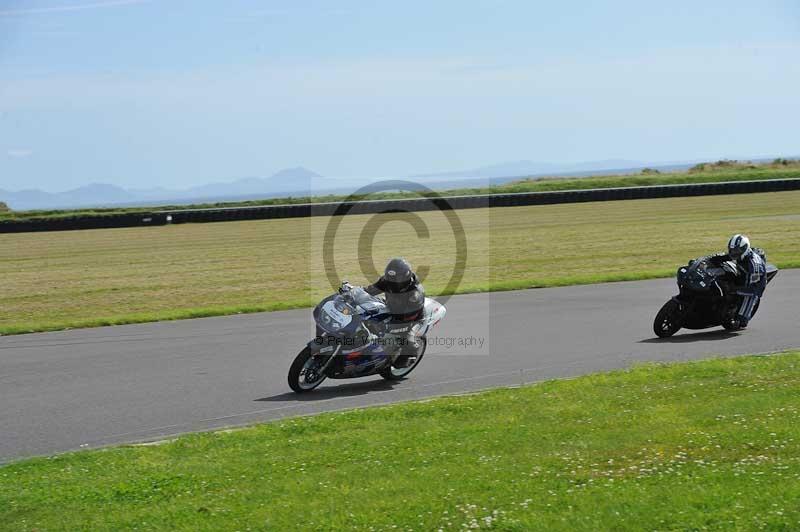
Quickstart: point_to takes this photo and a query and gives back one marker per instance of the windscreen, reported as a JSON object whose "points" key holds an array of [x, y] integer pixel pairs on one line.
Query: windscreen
{"points": [[335, 314]]}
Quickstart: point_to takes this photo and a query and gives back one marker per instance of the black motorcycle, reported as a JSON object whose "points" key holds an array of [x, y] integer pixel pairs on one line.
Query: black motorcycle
{"points": [[707, 297]]}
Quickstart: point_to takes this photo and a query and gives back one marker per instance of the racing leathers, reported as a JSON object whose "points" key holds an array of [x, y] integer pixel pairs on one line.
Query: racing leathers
{"points": [[752, 281], [753, 273], [406, 304]]}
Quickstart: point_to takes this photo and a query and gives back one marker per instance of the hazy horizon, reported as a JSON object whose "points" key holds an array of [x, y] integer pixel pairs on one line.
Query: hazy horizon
{"points": [[146, 93]]}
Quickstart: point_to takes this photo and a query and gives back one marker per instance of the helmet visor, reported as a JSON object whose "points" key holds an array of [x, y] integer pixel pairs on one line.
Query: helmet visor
{"points": [[397, 286], [738, 252]]}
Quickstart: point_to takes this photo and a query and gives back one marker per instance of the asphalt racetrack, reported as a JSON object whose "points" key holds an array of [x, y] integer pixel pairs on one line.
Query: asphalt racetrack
{"points": [[88, 388]]}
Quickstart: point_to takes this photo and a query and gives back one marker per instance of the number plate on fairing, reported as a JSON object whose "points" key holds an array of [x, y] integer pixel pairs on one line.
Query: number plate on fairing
{"points": [[333, 317]]}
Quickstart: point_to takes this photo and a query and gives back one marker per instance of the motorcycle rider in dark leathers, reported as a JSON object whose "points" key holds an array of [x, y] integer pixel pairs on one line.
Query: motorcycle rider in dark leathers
{"points": [[405, 297], [752, 273]]}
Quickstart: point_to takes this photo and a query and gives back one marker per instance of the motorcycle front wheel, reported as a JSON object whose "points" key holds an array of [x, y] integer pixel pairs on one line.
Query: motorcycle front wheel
{"points": [[668, 320], [304, 374]]}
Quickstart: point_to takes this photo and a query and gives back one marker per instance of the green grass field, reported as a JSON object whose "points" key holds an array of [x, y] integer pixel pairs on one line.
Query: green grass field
{"points": [[704, 173], [711, 445], [86, 278]]}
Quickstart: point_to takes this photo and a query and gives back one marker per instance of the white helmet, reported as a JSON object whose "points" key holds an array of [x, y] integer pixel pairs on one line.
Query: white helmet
{"points": [[739, 247]]}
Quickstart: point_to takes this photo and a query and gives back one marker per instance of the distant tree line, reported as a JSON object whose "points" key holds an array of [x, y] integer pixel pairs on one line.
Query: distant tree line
{"points": [[726, 164], [4, 207]]}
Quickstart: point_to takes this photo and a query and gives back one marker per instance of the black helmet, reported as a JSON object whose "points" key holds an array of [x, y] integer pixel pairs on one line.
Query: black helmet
{"points": [[739, 247], [398, 273]]}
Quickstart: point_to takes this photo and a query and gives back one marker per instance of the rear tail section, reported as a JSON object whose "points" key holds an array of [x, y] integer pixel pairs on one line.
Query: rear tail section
{"points": [[772, 271]]}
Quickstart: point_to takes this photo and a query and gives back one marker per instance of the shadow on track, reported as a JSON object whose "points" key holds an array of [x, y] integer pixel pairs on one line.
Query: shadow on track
{"points": [[330, 392], [704, 336]]}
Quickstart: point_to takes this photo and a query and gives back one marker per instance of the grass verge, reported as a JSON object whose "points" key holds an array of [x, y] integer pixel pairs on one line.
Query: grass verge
{"points": [[73, 279], [702, 445]]}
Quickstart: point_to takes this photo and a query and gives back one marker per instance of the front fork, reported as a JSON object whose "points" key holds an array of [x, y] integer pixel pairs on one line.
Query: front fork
{"points": [[317, 351], [684, 307]]}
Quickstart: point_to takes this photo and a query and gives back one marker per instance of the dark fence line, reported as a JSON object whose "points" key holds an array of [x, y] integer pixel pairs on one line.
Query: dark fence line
{"points": [[226, 214], [69, 223]]}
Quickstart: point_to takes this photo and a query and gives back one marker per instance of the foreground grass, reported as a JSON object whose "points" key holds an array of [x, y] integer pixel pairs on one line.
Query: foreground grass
{"points": [[102, 277], [702, 445], [704, 173]]}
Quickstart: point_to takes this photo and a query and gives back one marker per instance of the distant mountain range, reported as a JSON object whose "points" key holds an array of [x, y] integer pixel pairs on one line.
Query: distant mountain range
{"points": [[526, 168], [294, 181], [301, 181]]}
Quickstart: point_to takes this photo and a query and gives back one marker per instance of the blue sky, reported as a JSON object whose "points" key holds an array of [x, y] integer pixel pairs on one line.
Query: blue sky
{"points": [[173, 93]]}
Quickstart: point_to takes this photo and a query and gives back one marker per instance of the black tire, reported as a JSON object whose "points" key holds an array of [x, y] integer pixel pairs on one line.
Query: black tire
{"points": [[731, 325], [393, 374], [294, 378], [668, 320]]}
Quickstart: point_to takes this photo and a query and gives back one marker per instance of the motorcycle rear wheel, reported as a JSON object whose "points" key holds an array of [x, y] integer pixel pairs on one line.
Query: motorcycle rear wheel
{"points": [[668, 320], [397, 374], [301, 369]]}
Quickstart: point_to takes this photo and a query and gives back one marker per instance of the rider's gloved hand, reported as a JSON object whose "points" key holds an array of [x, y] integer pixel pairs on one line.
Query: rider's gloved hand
{"points": [[346, 287]]}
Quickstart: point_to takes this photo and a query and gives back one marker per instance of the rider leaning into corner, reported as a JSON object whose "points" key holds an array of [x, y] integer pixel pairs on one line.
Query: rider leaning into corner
{"points": [[752, 273], [405, 298]]}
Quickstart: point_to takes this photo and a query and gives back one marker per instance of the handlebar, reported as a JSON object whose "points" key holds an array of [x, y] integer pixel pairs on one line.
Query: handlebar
{"points": [[346, 287]]}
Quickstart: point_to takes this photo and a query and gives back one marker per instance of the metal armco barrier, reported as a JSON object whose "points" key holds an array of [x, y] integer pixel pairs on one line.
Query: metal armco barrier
{"points": [[226, 214], [83, 222]]}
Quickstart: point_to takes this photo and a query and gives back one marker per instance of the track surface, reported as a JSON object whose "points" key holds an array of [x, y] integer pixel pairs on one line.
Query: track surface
{"points": [[87, 388]]}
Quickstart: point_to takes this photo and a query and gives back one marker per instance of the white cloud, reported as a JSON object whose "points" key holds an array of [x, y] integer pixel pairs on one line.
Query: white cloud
{"points": [[73, 7], [19, 153]]}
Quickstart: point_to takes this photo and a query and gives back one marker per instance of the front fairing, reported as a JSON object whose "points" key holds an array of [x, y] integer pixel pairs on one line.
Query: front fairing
{"points": [[701, 277], [705, 292], [345, 346], [343, 314], [334, 315]]}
